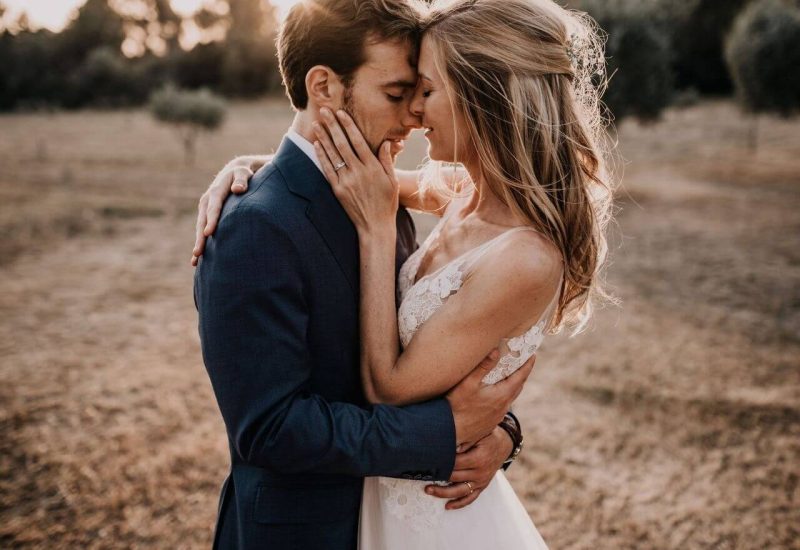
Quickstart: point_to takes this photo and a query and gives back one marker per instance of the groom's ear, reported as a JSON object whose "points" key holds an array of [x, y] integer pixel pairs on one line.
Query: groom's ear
{"points": [[324, 87]]}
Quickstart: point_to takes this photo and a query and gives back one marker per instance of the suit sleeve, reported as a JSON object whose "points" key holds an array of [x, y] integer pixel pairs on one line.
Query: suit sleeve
{"points": [[253, 322]]}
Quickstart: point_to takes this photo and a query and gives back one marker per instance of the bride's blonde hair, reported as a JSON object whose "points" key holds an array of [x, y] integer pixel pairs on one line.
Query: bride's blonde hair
{"points": [[527, 75]]}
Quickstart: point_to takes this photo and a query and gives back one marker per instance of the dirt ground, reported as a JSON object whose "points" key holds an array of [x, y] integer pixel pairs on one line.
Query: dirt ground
{"points": [[673, 422]]}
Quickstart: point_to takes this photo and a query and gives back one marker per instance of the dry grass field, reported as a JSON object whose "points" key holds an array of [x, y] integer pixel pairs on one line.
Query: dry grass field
{"points": [[673, 422]]}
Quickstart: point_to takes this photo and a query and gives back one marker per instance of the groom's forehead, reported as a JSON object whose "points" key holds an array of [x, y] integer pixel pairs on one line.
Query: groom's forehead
{"points": [[391, 63]]}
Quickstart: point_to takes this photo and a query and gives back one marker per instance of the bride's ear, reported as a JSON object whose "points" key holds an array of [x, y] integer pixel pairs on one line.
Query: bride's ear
{"points": [[324, 87]]}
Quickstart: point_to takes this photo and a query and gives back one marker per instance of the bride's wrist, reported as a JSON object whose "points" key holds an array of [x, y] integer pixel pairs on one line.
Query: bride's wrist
{"points": [[377, 235]]}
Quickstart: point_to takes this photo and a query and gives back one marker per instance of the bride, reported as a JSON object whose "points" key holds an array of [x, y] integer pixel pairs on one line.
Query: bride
{"points": [[505, 92]]}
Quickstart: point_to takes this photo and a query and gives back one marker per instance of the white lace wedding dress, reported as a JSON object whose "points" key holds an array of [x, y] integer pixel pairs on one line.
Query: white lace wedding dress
{"points": [[396, 514]]}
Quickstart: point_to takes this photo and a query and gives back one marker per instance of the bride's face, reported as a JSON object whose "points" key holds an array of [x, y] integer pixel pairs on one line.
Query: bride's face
{"points": [[431, 102]]}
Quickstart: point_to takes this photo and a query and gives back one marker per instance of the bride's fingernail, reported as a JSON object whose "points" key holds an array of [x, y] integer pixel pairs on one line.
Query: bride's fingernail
{"points": [[429, 490]]}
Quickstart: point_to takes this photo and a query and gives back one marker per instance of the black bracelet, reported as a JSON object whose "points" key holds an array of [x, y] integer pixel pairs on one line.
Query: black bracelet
{"points": [[511, 425]]}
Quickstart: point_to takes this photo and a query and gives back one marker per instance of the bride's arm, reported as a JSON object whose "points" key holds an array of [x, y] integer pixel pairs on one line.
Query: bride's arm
{"points": [[233, 178], [503, 297], [413, 197], [492, 304]]}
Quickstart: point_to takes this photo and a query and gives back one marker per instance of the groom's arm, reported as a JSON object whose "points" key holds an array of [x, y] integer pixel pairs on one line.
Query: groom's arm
{"points": [[253, 323]]}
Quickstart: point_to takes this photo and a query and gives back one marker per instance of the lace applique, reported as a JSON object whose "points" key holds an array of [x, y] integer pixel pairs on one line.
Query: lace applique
{"points": [[406, 499], [425, 297], [520, 350]]}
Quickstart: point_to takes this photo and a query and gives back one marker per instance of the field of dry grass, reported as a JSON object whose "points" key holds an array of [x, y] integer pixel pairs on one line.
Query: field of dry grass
{"points": [[674, 422]]}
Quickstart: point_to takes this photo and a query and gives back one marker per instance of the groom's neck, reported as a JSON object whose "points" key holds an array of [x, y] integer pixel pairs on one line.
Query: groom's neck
{"points": [[303, 121]]}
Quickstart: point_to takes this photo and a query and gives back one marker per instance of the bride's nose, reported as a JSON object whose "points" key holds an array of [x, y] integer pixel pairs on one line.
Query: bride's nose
{"points": [[412, 120]]}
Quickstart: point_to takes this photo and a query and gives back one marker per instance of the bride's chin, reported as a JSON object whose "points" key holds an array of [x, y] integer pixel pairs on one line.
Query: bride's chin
{"points": [[432, 152], [433, 155]]}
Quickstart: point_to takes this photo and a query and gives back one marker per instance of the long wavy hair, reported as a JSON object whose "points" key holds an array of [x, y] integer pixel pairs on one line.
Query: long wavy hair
{"points": [[527, 76]]}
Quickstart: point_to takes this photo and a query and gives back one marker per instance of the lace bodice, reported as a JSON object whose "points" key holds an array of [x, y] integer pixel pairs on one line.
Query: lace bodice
{"points": [[406, 499]]}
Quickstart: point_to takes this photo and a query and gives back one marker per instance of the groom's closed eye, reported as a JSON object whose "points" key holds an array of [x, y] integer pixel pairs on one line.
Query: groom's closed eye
{"points": [[398, 90]]}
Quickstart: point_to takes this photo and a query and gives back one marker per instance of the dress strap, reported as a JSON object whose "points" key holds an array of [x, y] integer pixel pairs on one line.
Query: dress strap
{"points": [[476, 253]]}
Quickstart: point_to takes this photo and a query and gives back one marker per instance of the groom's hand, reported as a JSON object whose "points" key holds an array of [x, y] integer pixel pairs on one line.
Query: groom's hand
{"points": [[478, 408], [478, 466]]}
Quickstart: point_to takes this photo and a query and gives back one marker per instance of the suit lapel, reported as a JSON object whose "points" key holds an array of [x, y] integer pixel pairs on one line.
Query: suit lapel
{"points": [[325, 213]]}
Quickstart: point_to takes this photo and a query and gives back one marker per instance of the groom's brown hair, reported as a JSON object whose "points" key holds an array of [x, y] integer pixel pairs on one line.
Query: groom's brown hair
{"points": [[333, 33]]}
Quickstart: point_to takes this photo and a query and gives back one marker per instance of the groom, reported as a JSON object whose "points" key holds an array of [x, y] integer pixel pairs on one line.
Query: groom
{"points": [[277, 295]]}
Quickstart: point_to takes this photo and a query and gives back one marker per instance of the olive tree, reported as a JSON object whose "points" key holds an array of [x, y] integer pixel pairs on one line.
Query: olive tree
{"points": [[189, 112], [639, 55], [641, 83], [763, 55]]}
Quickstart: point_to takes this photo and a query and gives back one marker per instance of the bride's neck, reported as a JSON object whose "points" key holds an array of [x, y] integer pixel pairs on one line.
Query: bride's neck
{"points": [[484, 204]]}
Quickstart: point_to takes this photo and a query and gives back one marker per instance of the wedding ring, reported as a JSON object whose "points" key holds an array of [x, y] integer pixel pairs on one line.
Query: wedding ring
{"points": [[471, 489], [339, 166]]}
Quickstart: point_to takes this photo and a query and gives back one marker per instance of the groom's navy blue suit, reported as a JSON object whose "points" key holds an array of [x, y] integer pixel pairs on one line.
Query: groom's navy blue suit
{"points": [[277, 293]]}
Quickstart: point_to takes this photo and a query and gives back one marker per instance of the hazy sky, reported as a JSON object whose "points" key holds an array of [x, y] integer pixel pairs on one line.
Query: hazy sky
{"points": [[54, 13]]}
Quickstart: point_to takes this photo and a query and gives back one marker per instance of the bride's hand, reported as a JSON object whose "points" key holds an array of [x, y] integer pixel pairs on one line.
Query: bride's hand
{"points": [[232, 178], [366, 186]]}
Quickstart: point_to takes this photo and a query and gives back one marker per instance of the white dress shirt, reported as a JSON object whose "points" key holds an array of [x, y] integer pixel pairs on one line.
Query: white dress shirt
{"points": [[305, 146]]}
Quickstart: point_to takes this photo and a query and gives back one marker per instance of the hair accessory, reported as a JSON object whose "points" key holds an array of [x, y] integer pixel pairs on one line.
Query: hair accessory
{"points": [[573, 48]]}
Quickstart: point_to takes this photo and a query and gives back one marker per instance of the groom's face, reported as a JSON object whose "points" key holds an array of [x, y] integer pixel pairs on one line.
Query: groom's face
{"points": [[380, 93]]}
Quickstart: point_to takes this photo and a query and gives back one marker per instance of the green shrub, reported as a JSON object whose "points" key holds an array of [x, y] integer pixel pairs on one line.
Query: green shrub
{"points": [[698, 37], [763, 54], [189, 112], [641, 83]]}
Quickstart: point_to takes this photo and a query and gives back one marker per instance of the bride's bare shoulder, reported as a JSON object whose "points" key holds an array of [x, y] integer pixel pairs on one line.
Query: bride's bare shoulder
{"points": [[525, 260]]}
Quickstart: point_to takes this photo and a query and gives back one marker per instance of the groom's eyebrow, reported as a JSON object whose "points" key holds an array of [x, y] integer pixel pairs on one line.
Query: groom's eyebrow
{"points": [[400, 84]]}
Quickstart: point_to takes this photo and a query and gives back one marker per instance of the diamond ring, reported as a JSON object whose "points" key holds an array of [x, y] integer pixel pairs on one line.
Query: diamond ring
{"points": [[339, 166]]}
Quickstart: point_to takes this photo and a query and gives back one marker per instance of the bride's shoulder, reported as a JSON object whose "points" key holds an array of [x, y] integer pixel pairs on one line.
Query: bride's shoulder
{"points": [[524, 260]]}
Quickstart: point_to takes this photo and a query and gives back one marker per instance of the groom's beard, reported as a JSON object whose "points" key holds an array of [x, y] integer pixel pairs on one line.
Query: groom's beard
{"points": [[349, 107]]}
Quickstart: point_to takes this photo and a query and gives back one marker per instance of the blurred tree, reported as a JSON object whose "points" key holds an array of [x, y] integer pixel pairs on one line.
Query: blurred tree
{"points": [[154, 23], [249, 66], [189, 112], [28, 78], [202, 66], [235, 55], [96, 25], [105, 78], [763, 53], [699, 38], [641, 82]]}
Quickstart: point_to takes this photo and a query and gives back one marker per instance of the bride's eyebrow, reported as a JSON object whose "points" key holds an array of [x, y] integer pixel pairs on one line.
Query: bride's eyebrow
{"points": [[424, 77]]}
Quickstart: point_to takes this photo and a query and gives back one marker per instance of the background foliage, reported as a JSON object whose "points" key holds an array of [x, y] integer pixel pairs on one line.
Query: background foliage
{"points": [[86, 63], [118, 52]]}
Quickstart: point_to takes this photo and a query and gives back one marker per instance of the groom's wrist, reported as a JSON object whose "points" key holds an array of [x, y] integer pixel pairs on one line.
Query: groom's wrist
{"points": [[510, 424]]}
